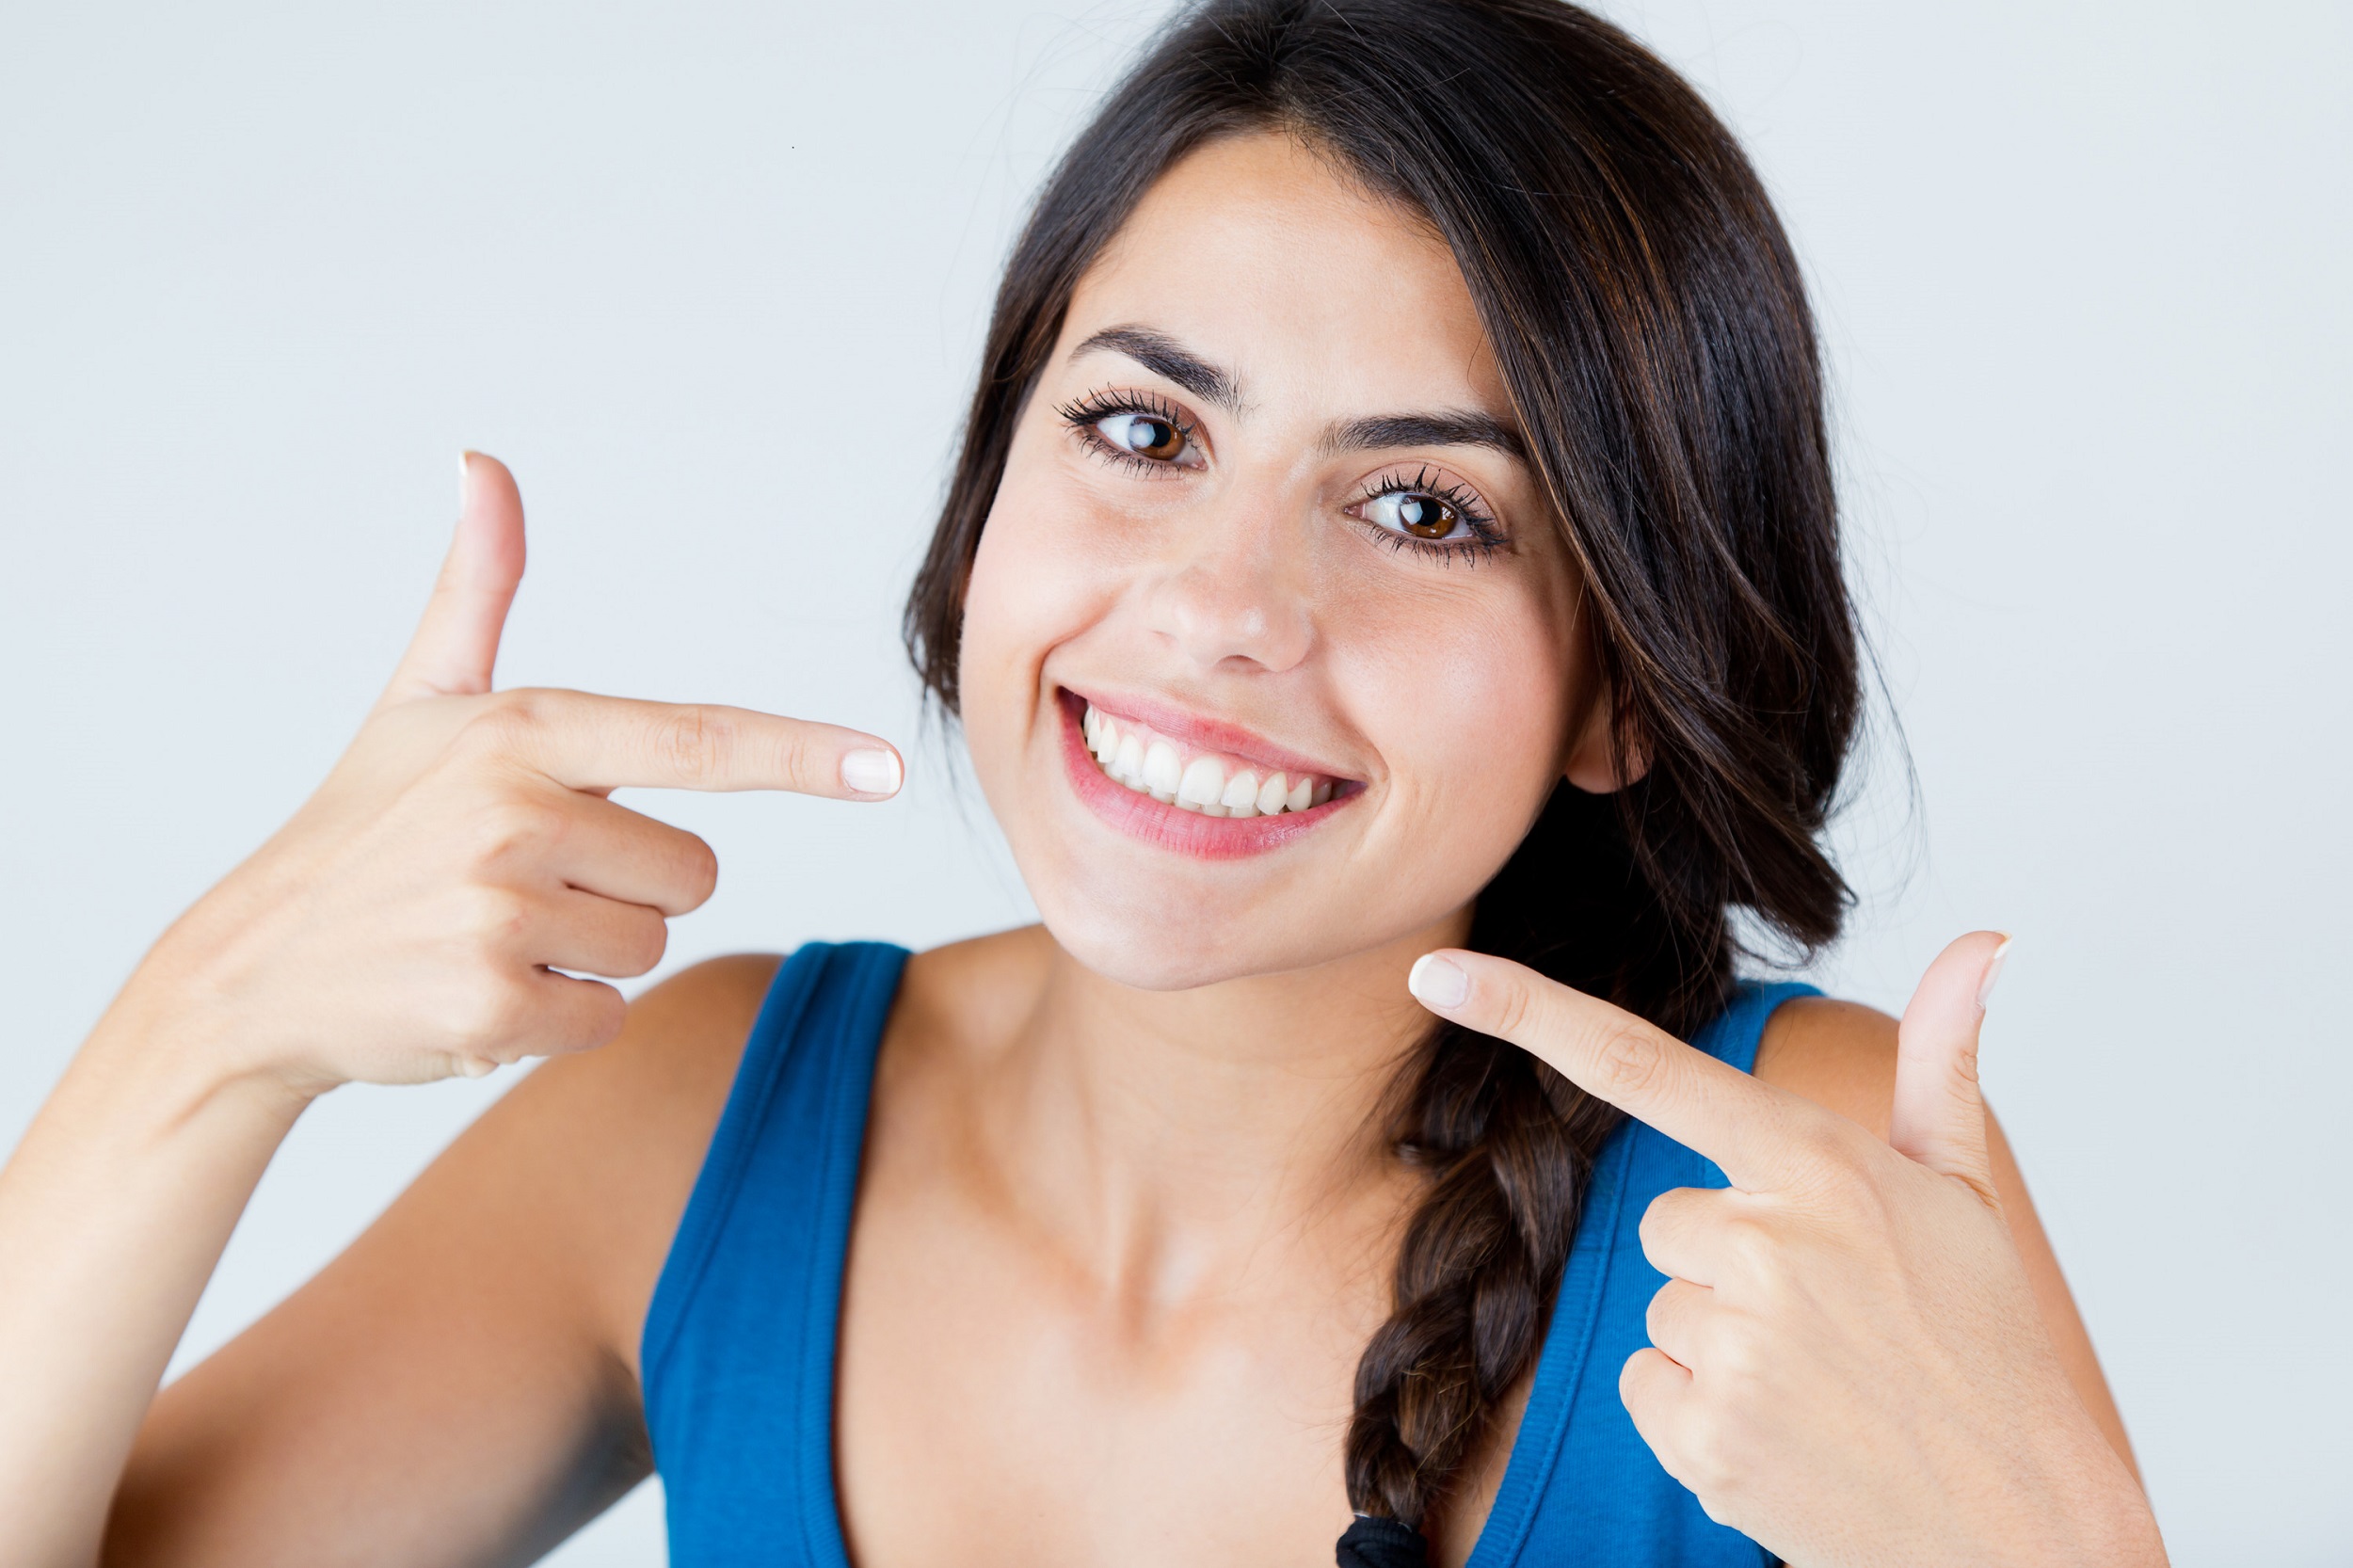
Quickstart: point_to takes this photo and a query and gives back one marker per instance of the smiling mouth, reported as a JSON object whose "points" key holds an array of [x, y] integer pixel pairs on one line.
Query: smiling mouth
{"points": [[1136, 757]]}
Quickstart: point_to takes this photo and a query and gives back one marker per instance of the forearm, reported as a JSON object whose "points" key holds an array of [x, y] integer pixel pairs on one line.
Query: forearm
{"points": [[112, 1213]]}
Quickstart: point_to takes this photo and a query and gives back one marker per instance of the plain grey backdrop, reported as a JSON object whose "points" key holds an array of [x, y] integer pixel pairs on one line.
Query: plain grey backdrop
{"points": [[712, 279]]}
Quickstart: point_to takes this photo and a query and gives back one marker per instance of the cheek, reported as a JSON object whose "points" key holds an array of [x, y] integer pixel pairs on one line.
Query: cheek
{"points": [[1037, 581], [1469, 704]]}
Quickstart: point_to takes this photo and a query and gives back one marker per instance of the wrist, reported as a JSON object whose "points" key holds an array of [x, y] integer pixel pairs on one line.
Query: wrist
{"points": [[180, 1057]]}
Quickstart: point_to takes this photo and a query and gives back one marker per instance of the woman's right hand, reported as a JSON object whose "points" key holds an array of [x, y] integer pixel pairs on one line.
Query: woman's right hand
{"points": [[410, 921]]}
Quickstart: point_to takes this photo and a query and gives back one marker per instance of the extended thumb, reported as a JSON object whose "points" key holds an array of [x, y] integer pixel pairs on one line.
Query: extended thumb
{"points": [[1939, 1116], [456, 643]]}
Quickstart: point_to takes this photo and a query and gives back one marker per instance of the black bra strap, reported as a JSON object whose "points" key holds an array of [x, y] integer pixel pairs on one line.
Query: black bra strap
{"points": [[1372, 1542]]}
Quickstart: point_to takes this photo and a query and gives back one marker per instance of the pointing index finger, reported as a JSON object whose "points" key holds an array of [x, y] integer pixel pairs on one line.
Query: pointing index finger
{"points": [[585, 742], [1765, 1138]]}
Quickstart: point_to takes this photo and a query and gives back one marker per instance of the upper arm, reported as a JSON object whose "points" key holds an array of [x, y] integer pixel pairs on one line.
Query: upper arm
{"points": [[1843, 1056], [460, 1386]]}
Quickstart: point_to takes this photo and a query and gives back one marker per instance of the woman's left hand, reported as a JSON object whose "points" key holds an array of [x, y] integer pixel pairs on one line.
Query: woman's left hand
{"points": [[1847, 1363]]}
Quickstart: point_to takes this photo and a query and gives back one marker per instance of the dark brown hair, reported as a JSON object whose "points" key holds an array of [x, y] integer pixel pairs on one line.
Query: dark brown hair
{"points": [[1649, 321]]}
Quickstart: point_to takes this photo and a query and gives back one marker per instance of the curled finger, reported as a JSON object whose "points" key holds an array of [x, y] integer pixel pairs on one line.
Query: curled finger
{"points": [[582, 931], [1657, 1393], [627, 855], [1682, 1231], [1677, 1320]]}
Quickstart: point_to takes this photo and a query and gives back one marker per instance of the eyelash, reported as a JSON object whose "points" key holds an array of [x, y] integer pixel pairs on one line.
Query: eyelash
{"points": [[1486, 538], [1084, 415]]}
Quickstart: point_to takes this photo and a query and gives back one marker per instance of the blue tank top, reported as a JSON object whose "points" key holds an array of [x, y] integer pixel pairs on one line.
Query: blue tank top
{"points": [[738, 1355]]}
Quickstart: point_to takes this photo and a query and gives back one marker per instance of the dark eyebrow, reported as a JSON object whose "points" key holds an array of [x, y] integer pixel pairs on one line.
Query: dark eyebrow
{"points": [[1164, 356], [1450, 428]]}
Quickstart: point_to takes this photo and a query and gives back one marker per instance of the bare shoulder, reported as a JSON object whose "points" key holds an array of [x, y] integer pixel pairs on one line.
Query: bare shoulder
{"points": [[1838, 1054], [624, 1130]]}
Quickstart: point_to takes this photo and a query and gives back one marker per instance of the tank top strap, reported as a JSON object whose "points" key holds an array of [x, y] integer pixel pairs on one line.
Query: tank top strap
{"points": [[1733, 1035], [1580, 1486], [737, 1354]]}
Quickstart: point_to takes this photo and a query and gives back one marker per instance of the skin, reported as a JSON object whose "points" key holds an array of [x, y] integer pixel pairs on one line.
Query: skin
{"points": [[1135, 1137]]}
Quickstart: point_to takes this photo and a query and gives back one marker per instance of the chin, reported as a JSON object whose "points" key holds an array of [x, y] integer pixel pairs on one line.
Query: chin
{"points": [[1130, 944], [1174, 933]]}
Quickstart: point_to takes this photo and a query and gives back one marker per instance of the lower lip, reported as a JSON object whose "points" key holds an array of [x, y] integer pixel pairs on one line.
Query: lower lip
{"points": [[1168, 826]]}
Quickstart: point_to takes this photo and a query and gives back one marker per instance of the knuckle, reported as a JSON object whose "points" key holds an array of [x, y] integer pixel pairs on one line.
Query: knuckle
{"points": [[517, 826], [1737, 1362], [525, 704], [795, 759], [503, 726], [1753, 1247], [481, 1019], [1717, 1500], [1512, 1009], [1710, 1454], [692, 743], [1627, 1059], [493, 917], [1667, 1220], [1838, 1145]]}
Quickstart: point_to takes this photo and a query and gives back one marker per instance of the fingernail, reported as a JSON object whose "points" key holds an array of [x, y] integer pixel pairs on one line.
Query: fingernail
{"points": [[1993, 972], [871, 772], [475, 1066], [1437, 982], [464, 458]]}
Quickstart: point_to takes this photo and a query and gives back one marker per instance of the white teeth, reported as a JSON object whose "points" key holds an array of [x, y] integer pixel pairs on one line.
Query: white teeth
{"points": [[1154, 767], [1161, 771], [1203, 784]]}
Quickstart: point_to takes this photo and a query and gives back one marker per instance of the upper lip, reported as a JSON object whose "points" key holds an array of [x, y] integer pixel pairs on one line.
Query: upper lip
{"points": [[1205, 734]]}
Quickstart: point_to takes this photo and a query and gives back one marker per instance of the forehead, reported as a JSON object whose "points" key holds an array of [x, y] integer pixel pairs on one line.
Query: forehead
{"points": [[1259, 253]]}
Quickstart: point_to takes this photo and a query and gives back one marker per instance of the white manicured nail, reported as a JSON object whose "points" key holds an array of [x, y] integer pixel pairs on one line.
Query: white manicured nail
{"points": [[871, 772], [1993, 972], [1437, 982]]}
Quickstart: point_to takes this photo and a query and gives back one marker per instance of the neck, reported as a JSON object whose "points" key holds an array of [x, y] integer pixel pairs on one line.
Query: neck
{"points": [[1164, 1136]]}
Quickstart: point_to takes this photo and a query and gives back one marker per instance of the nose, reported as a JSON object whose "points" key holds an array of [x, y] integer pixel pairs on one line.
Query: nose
{"points": [[1231, 589]]}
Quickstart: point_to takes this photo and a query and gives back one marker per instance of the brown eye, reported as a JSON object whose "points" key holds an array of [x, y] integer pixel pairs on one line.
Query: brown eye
{"points": [[1426, 516], [1429, 516], [1146, 434]]}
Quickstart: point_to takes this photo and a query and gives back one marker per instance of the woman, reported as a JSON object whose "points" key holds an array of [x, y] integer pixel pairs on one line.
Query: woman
{"points": [[1390, 571]]}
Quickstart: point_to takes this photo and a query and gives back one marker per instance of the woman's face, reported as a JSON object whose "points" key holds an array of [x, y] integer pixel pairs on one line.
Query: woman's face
{"points": [[1270, 652]]}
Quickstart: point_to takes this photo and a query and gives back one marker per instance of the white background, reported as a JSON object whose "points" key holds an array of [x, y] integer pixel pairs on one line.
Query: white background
{"points": [[712, 279]]}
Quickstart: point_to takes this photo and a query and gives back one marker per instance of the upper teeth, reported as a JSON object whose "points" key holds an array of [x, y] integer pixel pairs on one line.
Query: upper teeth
{"points": [[1150, 765]]}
